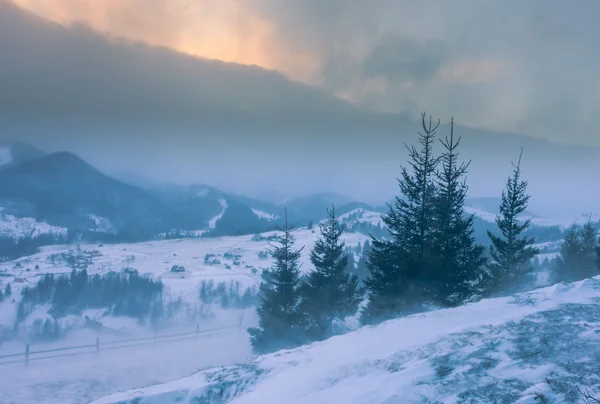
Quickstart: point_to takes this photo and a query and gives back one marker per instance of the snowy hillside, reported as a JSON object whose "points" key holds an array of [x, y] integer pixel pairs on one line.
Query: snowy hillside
{"points": [[362, 215], [21, 227], [533, 347], [220, 259]]}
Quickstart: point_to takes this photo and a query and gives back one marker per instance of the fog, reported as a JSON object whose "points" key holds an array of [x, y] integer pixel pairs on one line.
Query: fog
{"points": [[152, 111]]}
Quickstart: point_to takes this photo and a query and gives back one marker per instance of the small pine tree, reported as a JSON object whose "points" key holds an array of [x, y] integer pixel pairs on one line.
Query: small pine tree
{"points": [[589, 246], [8, 290], [577, 259], [511, 252], [329, 292], [567, 262], [458, 258], [400, 267], [280, 322]]}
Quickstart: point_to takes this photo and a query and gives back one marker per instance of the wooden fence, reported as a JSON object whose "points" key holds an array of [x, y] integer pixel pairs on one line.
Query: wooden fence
{"points": [[98, 347]]}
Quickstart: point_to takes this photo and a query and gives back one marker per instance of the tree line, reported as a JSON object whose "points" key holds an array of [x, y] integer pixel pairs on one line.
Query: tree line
{"points": [[430, 256]]}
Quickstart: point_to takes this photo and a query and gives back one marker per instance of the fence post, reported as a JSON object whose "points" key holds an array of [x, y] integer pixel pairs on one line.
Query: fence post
{"points": [[27, 355], [197, 330], [97, 344]]}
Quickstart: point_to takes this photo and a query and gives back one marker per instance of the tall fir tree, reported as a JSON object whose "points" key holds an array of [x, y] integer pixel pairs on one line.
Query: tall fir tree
{"points": [[511, 251], [8, 290], [400, 267], [458, 258], [330, 292], [280, 323]]}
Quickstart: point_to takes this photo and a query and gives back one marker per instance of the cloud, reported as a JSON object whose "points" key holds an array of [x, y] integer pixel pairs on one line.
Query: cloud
{"points": [[401, 59], [517, 66], [123, 105]]}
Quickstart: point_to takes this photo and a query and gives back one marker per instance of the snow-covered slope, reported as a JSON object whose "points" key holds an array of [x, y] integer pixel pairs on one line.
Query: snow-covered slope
{"points": [[213, 222], [264, 215], [361, 215], [21, 227], [541, 344], [231, 259]]}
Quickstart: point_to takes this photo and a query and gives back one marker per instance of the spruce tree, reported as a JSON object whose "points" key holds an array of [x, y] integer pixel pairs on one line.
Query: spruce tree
{"points": [[400, 267], [511, 251], [570, 254], [458, 258], [588, 251], [280, 325], [578, 259], [330, 291], [8, 290]]}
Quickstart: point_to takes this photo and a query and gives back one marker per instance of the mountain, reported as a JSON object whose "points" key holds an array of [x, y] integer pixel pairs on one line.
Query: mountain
{"points": [[13, 152], [156, 106], [64, 190], [533, 347], [313, 207], [201, 206]]}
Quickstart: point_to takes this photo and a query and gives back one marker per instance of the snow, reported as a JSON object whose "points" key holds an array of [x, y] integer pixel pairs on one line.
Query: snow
{"points": [[88, 377], [264, 215], [213, 222], [102, 224], [202, 192], [6, 156], [362, 215], [157, 257], [497, 350], [22, 227], [480, 213]]}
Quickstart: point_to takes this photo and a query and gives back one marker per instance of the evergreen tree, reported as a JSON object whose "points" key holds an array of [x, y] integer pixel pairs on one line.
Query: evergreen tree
{"points": [[458, 258], [577, 259], [1, 297], [8, 290], [589, 246], [511, 251], [280, 323], [329, 292], [400, 266], [570, 253]]}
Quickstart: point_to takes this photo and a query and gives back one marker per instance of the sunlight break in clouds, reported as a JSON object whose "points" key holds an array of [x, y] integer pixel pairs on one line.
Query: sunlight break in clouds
{"points": [[227, 30]]}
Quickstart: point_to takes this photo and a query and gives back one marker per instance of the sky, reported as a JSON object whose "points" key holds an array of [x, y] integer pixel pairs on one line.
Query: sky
{"points": [[528, 67], [322, 94]]}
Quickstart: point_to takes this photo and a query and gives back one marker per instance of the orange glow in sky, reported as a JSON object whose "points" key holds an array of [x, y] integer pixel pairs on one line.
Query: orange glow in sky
{"points": [[213, 29]]}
